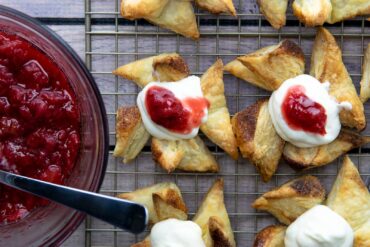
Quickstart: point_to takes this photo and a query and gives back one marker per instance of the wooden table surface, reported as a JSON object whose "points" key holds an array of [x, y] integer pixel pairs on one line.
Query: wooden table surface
{"points": [[120, 44]]}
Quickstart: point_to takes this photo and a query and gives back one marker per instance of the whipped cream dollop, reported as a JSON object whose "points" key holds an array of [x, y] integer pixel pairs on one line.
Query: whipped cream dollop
{"points": [[304, 114], [319, 226], [173, 110], [176, 233]]}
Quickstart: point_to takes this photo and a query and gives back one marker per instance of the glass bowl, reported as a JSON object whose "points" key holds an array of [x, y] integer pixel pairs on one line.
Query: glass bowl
{"points": [[51, 225]]}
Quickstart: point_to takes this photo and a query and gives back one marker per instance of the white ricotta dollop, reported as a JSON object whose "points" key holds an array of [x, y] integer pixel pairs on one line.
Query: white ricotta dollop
{"points": [[319, 226], [317, 92], [185, 88], [176, 233]]}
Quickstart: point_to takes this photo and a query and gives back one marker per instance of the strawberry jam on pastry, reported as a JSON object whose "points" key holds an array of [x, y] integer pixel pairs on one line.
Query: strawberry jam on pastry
{"points": [[168, 111], [173, 110], [302, 113], [39, 123]]}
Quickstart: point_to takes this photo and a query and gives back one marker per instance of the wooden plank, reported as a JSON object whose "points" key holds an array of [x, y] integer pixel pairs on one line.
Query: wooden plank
{"points": [[77, 239], [44, 8], [74, 35], [240, 189]]}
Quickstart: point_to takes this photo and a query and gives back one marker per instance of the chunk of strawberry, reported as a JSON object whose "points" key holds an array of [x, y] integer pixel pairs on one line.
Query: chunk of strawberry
{"points": [[6, 79], [52, 174], [4, 105], [10, 127], [33, 75], [39, 109], [19, 95]]}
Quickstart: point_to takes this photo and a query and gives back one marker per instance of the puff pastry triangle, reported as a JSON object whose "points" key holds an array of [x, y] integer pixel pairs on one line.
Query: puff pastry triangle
{"points": [[327, 65], [270, 236], [292, 199], [345, 9], [362, 235], [163, 67], [213, 219], [187, 155], [144, 243], [140, 9], [365, 81], [270, 66], [169, 207], [176, 15], [238, 69], [257, 138], [312, 12], [305, 158], [274, 11], [217, 6], [349, 196], [218, 126], [131, 135], [169, 194]]}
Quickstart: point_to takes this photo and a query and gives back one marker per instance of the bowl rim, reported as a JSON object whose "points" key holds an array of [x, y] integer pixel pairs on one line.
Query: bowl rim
{"points": [[78, 217]]}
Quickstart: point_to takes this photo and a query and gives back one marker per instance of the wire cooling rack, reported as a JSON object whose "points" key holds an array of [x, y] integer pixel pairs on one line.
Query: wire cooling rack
{"points": [[112, 41]]}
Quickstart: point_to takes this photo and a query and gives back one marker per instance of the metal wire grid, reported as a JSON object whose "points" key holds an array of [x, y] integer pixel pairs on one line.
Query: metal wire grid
{"points": [[245, 222]]}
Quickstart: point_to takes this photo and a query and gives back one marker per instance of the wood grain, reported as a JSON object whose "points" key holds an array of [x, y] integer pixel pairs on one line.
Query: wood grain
{"points": [[44, 8], [242, 185]]}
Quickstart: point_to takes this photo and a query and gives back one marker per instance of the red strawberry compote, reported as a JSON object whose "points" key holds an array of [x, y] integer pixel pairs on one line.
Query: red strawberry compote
{"points": [[167, 110], [303, 112], [173, 110], [39, 123]]}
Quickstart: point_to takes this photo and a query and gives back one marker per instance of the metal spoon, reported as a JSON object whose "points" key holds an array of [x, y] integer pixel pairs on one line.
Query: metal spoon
{"points": [[124, 214]]}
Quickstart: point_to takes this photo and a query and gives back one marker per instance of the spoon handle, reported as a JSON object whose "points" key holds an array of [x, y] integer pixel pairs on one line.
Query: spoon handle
{"points": [[124, 214]]}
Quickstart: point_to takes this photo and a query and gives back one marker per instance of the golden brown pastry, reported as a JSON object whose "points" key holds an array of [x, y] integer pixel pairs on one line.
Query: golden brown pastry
{"points": [[271, 236], [168, 192], [312, 12], [238, 69], [218, 126], [362, 235], [349, 196], [217, 6], [163, 67], [213, 219], [187, 155], [139, 9], [257, 138], [175, 15], [270, 66], [219, 233], [346, 9], [169, 207], [131, 135], [274, 11], [327, 65], [292, 199], [305, 158], [144, 243], [365, 81], [170, 67]]}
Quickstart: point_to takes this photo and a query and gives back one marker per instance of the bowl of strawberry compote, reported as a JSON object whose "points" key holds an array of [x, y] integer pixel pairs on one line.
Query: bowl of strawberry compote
{"points": [[52, 127]]}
